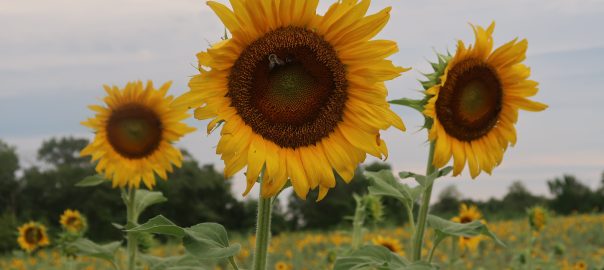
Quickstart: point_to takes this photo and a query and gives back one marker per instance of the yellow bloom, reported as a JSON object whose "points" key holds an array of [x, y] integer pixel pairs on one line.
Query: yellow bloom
{"points": [[390, 243], [134, 134], [32, 235], [537, 218], [475, 103], [581, 265], [72, 221], [281, 265], [298, 93], [467, 215]]}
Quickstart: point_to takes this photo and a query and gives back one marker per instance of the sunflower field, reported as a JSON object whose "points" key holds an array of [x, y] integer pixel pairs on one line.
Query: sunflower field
{"points": [[295, 100]]}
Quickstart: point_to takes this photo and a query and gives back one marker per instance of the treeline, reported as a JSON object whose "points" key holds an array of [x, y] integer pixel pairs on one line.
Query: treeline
{"points": [[199, 193]]}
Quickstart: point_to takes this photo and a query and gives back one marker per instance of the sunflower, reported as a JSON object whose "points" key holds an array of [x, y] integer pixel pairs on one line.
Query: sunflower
{"points": [[299, 94], [134, 134], [467, 215], [72, 221], [32, 235], [474, 104], [281, 265], [538, 217], [390, 243]]}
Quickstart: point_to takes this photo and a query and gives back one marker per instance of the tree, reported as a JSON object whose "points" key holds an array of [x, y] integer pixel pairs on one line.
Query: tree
{"points": [[570, 195], [448, 201], [9, 164], [332, 210], [201, 194], [518, 198]]}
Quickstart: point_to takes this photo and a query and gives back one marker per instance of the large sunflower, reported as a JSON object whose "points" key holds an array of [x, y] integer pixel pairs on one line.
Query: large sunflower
{"points": [[300, 94], [475, 103], [32, 235], [467, 215], [134, 134], [72, 221]]}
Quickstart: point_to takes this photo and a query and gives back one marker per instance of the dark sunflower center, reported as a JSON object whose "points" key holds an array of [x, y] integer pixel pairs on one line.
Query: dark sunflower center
{"points": [[289, 86], [33, 235], [134, 131], [72, 221], [465, 220], [389, 246], [469, 103]]}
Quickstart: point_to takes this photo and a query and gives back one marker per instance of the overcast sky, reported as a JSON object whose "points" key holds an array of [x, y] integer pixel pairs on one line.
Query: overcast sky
{"points": [[56, 55]]}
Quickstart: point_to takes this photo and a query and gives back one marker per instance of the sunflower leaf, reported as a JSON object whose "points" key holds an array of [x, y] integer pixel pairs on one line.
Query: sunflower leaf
{"points": [[145, 198], [370, 257], [187, 262], [446, 228], [385, 184], [159, 225], [91, 181], [88, 248], [209, 241]]}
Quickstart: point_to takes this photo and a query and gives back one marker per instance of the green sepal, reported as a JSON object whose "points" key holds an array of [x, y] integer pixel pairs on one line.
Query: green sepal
{"points": [[438, 68]]}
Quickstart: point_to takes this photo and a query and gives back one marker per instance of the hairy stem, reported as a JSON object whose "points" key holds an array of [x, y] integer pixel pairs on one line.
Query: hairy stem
{"points": [[263, 231], [418, 237], [132, 241]]}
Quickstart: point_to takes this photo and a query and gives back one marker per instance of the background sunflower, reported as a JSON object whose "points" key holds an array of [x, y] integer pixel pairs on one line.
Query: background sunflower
{"points": [[134, 134], [72, 221], [32, 235], [299, 94]]}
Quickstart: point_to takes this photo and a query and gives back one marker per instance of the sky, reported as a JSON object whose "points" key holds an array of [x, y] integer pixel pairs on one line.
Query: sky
{"points": [[56, 55]]}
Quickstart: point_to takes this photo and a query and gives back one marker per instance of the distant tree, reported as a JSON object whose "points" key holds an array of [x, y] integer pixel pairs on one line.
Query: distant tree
{"points": [[570, 195], [200, 194], [518, 198], [332, 210], [64, 151], [448, 201], [9, 164]]}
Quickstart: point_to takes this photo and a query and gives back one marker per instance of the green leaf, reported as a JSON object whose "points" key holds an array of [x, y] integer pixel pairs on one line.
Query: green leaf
{"points": [[209, 241], [445, 228], [370, 257], [384, 184], [91, 181], [145, 198], [420, 179], [88, 248], [185, 262], [160, 225]]}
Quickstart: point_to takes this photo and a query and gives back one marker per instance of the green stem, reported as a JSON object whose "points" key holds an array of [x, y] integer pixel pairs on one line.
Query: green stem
{"points": [[418, 237], [263, 231], [132, 241], [357, 225], [436, 243], [410, 217], [233, 263]]}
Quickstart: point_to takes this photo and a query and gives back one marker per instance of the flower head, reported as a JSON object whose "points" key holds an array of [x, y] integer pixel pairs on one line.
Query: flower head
{"points": [[299, 94], [473, 99], [134, 134]]}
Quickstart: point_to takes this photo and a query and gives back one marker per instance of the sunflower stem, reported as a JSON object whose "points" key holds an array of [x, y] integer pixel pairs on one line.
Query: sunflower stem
{"points": [[263, 230], [233, 263], [418, 237], [131, 220]]}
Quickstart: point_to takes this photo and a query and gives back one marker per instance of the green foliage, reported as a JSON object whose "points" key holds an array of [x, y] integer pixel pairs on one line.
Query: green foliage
{"points": [[445, 228], [205, 241], [91, 181], [371, 257], [88, 248], [570, 196]]}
